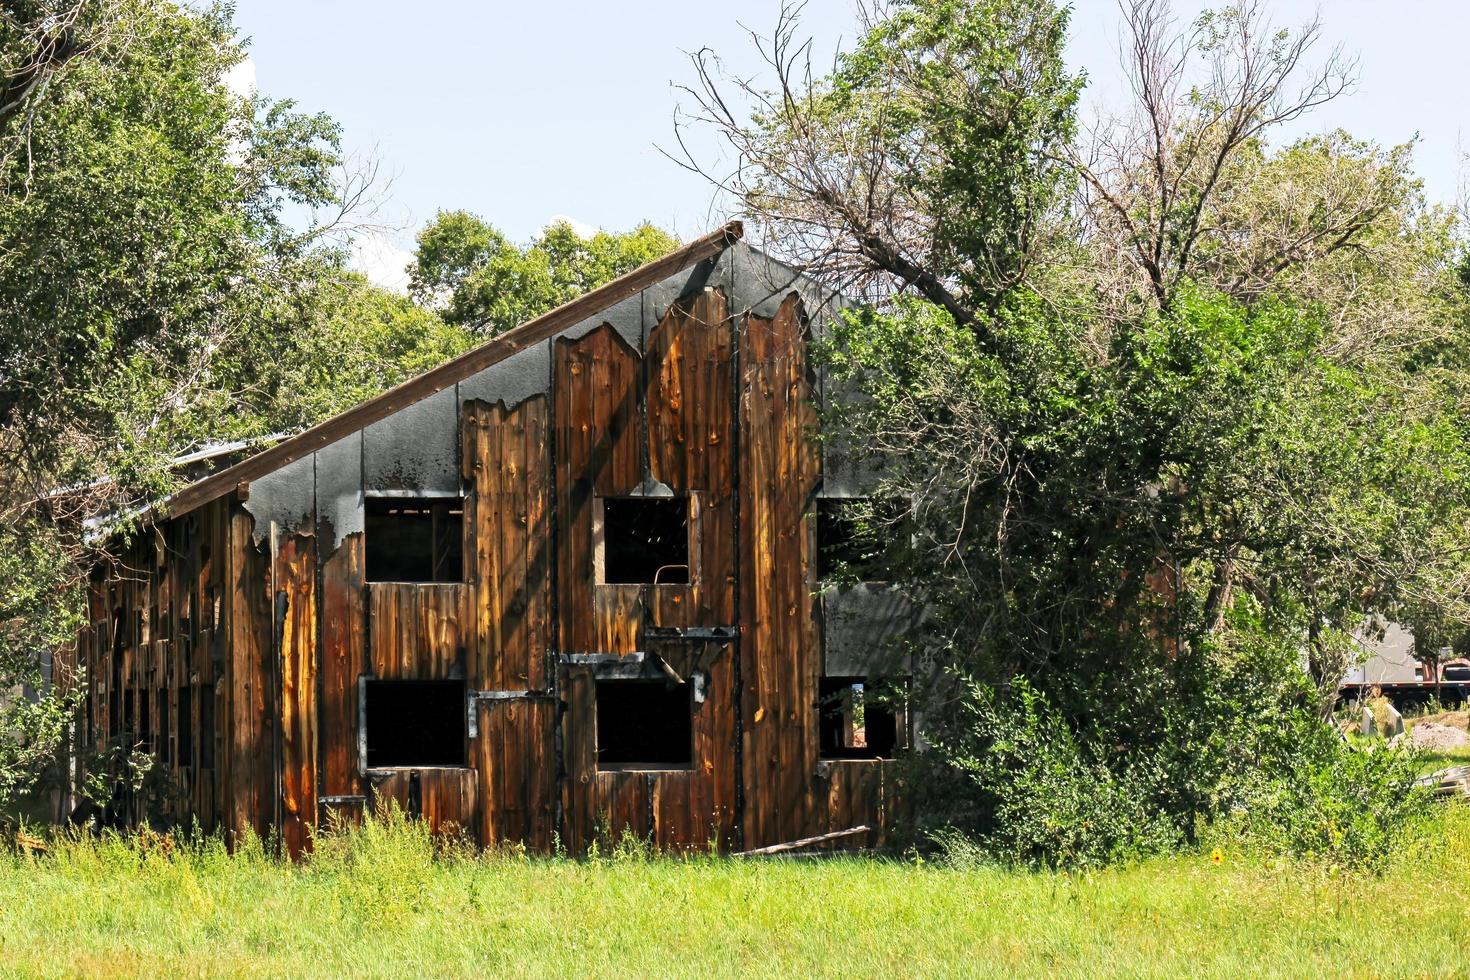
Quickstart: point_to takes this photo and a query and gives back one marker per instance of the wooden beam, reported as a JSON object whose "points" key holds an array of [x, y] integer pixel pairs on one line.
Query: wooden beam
{"points": [[793, 845], [417, 389]]}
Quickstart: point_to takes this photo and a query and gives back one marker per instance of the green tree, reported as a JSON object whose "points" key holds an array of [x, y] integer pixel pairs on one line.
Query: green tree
{"points": [[341, 341], [1156, 439], [484, 282], [140, 226], [931, 155], [142, 236], [39, 39]]}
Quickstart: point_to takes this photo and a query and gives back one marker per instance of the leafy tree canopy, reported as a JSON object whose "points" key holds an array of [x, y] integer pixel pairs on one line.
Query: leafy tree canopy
{"points": [[1172, 410], [482, 281], [143, 236], [140, 229]]}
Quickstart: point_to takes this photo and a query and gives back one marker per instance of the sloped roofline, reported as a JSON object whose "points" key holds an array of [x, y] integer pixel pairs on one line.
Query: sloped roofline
{"points": [[416, 389]]}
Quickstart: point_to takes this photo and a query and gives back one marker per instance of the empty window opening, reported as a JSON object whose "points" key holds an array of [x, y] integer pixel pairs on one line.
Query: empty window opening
{"points": [[415, 723], [850, 538], [862, 719], [644, 725], [645, 539], [206, 726], [414, 540], [165, 745], [144, 733], [186, 726]]}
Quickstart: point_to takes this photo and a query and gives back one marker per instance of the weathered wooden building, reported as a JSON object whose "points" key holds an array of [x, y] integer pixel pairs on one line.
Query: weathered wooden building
{"points": [[562, 587]]}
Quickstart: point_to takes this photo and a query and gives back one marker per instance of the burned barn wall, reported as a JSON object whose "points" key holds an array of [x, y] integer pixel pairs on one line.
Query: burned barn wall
{"points": [[672, 695], [173, 660], [631, 424]]}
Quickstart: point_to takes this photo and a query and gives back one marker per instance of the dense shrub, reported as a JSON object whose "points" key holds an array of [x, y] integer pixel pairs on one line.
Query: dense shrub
{"points": [[1319, 796], [1210, 748], [1036, 793]]}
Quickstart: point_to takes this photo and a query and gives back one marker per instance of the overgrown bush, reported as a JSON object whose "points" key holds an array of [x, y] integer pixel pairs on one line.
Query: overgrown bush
{"points": [[1215, 745], [1319, 796], [1040, 795], [1021, 787]]}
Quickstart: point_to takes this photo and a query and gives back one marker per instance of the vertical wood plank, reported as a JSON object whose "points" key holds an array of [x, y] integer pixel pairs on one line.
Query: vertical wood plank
{"points": [[343, 637], [247, 684], [779, 648], [596, 388], [690, 403], [296, 587]]}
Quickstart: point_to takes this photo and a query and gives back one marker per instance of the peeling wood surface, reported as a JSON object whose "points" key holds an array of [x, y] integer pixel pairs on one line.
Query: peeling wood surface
{"points": [[295, 582], [419, 632]]}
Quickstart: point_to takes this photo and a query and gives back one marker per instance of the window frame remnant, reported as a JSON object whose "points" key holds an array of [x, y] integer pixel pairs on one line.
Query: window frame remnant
{"points": [[841, 552], [872, 725], [616, 546], [383, 553]]}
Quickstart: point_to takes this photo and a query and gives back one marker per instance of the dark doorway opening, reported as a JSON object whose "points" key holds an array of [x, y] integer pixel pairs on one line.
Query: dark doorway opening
{"points": [[415, 723], [414, 539], [645, 540], [644, 725]]}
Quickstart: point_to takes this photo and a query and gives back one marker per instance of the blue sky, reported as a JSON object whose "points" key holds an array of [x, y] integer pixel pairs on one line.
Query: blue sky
{"points": [[524, 111]]}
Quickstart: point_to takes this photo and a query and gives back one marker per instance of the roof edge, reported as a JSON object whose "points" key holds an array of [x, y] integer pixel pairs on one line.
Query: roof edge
{"points": [[416, 389]]}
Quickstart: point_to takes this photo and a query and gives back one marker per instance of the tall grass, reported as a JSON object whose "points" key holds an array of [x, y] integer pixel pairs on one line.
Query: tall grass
{"points": [[385, 900]]}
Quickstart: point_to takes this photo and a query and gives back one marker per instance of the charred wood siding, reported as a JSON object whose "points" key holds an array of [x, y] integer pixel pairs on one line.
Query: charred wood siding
{"points": [[691, 440], [779, 650], [596, 386], [682, 393], [172, 656], [250, 759], [296, 644], [420, 632], [237, 640], [343, 660], [507, 465], [789, 792]]}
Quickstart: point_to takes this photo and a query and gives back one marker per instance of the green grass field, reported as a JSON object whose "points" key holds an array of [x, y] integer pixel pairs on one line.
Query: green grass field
{"points": [[380, 903]]}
